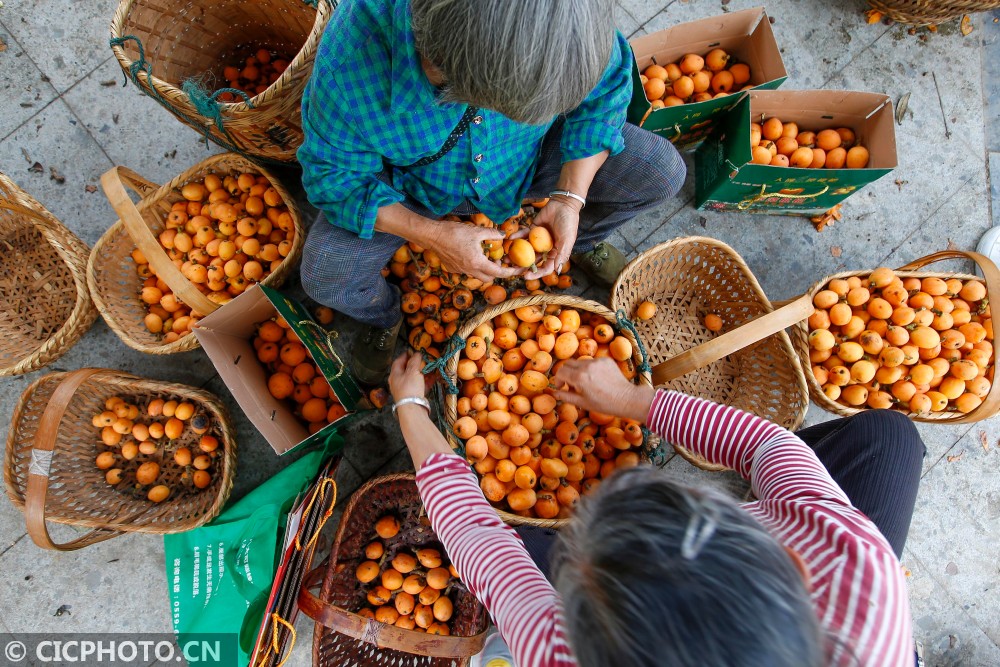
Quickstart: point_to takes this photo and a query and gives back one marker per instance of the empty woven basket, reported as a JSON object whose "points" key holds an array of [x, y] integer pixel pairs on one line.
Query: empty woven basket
{"points": [[44, 303]]}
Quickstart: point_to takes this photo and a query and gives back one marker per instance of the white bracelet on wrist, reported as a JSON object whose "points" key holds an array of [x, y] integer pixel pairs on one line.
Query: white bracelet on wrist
{"points": [[417, 400], [571, 195]]}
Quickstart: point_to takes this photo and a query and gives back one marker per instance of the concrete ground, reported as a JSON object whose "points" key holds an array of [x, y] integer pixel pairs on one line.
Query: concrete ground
{"points": [[63, 106]]}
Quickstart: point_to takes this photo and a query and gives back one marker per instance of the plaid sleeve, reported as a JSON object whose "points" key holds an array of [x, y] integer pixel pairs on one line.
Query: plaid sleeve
{"points": [[339, 168], [596, 125]]}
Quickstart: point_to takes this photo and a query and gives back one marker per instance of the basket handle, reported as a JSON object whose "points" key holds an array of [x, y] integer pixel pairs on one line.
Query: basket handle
{"points": [[41, 460], [742, 336], [379, 634], [113, 183]]}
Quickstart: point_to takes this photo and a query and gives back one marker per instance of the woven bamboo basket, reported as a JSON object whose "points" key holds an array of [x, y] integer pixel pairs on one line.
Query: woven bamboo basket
{"points": [[49, 467], [342, 637], [111, 272], [44, 301], [163, 44], [750, 366], [451, 373], [991, 403], [930, 12]]}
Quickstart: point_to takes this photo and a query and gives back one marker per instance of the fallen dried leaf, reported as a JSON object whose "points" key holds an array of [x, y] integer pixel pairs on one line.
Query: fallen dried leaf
{"points": [[108, 83], [966, 25], [63, 609], [902, 107], [27, 158], [91, 189], [820, 222], [952, 245], [836, 250], [956, 457], [36, 168], [56, 176], [900, 183], [3, 46], [983, 441]]}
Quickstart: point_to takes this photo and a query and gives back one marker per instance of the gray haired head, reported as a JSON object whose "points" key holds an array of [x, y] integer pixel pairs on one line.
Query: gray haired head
{"points": [[653, 573], [529, 60]]}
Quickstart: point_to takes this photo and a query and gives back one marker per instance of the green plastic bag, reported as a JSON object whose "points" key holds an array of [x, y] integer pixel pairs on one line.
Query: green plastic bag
{"points": [[219, 576]]}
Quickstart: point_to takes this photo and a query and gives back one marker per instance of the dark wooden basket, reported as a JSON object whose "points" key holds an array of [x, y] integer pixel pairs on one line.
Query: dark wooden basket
{"points": [[930, 12], [342, 637], [49, 465]]}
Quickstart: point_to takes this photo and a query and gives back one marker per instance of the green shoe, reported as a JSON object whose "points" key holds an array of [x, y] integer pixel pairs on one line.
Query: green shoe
{"points": [[373, 353], [602, 264]]}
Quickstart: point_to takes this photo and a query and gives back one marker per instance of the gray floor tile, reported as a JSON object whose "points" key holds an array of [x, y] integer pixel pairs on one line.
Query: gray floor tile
{"points": [[66, 44], [955, 525], [122, 120], [994, 165], [991, 77], [626, 23], [24, 87], [950, 636], [56, 139]]}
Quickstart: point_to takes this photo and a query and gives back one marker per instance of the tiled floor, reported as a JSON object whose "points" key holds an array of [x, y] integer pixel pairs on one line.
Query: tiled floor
{"points": [[63, 106]]}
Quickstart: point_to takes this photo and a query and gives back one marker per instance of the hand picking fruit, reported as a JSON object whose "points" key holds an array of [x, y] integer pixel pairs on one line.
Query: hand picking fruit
{"points": [[678, 542], [695, 78], [390, 178]]}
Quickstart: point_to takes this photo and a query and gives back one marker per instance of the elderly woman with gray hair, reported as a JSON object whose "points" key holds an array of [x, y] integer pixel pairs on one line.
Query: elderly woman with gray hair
{"points": [[650, 572], [420, 108]]}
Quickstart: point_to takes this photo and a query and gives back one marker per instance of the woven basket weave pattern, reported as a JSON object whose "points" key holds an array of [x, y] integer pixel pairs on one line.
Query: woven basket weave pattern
{"points": [[78, 494], [689, 278], [398, 495], [111, 272], [931, 12], [44, 301], [197, 38]]}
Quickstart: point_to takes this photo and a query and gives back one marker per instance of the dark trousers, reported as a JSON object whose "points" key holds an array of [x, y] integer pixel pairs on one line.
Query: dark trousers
{"points": [[341, 270], [875, 457]]}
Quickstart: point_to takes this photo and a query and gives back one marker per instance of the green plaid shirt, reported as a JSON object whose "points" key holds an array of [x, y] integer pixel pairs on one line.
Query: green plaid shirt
{"points": [[369, 108]]}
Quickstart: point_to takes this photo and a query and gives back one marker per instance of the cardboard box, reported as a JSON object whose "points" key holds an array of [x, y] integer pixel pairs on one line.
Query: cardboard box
{"points": [[746, 35], [726, 180], [226, 337]]}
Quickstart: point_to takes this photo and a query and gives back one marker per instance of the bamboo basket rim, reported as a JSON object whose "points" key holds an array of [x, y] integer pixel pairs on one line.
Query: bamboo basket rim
{"points": [[323, 10], [784, 340], [97, 255], [451, 370], [930, 12], [73, 252], [333, 559], [801, 333], [126, 382]]}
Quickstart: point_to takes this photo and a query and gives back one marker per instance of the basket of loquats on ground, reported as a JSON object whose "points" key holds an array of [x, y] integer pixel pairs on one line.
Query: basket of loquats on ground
{"points": [[534, 455], [234, 71], [44, 304], [911, 340], [114, 453], [188, 247], [711, 332], [930, 12], [390, 595]]}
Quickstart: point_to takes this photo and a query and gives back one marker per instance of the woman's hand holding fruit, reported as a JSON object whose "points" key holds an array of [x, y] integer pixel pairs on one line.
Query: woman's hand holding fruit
{"points": [[598, 385]]}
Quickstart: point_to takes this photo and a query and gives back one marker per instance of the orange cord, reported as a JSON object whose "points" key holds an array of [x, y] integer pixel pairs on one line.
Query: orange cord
{"points": [[275, 620], [326, 515]]}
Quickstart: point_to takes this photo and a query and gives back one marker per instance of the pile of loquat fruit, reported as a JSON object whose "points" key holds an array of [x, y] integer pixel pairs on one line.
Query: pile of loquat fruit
{"points": [[781, 144], [694, 78], [256, 74]]}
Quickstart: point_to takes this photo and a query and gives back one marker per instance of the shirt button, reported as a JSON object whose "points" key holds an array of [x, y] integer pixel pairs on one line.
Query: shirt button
{"points": [[479, 157], [477, 120]]}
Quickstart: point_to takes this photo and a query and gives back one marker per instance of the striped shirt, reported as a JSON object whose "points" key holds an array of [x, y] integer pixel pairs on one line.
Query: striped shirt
{"points": [[858, 588]]}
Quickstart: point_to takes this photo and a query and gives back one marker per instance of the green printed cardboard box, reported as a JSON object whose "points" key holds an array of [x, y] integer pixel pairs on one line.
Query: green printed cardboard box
{"points": [[226, 337], [727, 180], [745, 35]]}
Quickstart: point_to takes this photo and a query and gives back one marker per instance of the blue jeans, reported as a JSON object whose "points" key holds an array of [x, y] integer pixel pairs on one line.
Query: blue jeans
{"points": [[342, 271]]}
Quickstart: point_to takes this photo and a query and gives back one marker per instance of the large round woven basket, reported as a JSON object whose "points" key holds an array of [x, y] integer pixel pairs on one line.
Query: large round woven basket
{"points": [[111, 271], [49, 467], [44, 303], [930, 12], [162, 44], [991, 403], [687, 279], [342, 637], [451, 374]]}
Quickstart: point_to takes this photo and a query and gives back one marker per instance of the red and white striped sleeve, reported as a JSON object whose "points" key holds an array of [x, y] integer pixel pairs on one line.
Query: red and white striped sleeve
{"points": [[773, 458], [494, 564]]}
